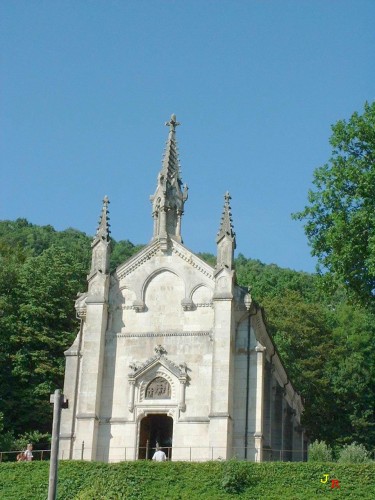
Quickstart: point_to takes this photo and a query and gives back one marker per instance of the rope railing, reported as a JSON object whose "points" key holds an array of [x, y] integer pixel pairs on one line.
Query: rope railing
{"points": [[185, 453], [181, 453], [11, 456]]}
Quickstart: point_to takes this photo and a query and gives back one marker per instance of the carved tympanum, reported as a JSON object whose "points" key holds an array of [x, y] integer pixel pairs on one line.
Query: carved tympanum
{"points": [[158, 388]]}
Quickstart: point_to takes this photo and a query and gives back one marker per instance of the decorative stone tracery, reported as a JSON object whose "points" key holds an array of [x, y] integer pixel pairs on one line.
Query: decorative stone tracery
{"points": [[161, 383], [158, 388]]}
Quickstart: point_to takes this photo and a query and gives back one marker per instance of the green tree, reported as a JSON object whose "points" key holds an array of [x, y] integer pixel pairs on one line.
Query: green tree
{"points": [[340, 217], [45, 327], [121, 251], [11, 261], [41, 271], [270, 280], [351, 371], [302, 334]]}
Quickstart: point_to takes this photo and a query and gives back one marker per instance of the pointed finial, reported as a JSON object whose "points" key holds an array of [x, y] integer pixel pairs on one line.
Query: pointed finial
{"points": [[103, 228], [170, 194], [170, 163], [226, 225], [172, 124]]}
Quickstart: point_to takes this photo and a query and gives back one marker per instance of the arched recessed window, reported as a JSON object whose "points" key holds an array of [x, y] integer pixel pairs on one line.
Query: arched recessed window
{"points": [[158, 388]]}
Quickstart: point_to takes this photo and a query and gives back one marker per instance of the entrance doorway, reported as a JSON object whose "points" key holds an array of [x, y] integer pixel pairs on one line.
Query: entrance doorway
{"points": [[154, 429]]}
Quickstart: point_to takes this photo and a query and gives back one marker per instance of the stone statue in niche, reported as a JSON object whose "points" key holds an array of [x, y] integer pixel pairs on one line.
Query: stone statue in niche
{"points": [[158, 388]]}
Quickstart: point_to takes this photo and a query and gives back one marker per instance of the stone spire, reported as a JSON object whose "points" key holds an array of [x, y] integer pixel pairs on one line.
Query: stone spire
{"points": [[169, 198], [103, 231], [101, 243], [226, 237]]}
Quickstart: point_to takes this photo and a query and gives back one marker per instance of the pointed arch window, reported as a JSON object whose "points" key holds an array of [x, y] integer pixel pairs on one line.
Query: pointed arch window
{"points": [[158, 388]]}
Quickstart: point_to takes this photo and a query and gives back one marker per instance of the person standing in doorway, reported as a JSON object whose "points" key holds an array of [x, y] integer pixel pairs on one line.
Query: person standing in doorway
{"points": [[159, 455]]}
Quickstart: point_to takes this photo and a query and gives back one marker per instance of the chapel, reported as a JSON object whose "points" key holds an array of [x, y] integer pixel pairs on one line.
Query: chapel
{"points": [[172, 352]]}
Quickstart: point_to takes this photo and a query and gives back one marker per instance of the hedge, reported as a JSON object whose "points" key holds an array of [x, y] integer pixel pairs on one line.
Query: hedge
{"points": [[145, 480]]}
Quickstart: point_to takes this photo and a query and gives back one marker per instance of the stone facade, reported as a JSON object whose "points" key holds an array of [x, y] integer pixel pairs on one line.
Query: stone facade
{"points": [[172, 351]]}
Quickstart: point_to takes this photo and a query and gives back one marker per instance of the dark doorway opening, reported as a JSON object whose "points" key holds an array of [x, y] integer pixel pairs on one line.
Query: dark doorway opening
{"points": [[155, 429]]}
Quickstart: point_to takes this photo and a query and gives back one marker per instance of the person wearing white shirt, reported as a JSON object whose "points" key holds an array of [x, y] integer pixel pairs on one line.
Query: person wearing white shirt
{"points": [[159, 455], [28, 453]]}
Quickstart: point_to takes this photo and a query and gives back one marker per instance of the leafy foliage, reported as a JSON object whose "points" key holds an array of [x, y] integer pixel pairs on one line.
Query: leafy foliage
{"points": [[6, 438], [208, 257], [340, 217], [269, 280], [302, 334], [184, 481], [353, 454], [122, 251], [235, 476], [319, 451]]}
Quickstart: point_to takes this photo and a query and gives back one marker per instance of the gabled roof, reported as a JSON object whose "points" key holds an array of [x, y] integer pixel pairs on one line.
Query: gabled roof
{"points": [[159, 358], [153, 248]]}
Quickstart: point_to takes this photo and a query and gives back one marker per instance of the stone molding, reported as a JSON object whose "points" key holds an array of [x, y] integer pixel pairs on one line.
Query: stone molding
{"points": [[187, 304], [192, 260], [178, 371], [67, 436], [147, 253], [133, 263], [139, 306], [207, 333], [143, 412], [195, 420], [117, 420], [80, 305], [167, 368], [87, 416], [219, 415]]}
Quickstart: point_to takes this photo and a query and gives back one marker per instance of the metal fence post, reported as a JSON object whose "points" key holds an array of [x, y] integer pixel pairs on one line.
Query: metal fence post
{"points": [[82, 449]]}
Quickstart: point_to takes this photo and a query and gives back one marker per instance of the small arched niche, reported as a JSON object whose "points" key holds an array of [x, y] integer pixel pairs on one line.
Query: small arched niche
{"points": [[158, 388]]}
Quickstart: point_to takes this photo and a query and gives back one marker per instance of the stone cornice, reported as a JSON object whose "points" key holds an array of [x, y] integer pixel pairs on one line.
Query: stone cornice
{"points": [[192, 259], [162, 334]]}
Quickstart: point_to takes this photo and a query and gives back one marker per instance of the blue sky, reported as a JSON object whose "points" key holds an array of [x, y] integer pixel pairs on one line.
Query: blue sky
{"points": [[86, 87]]}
